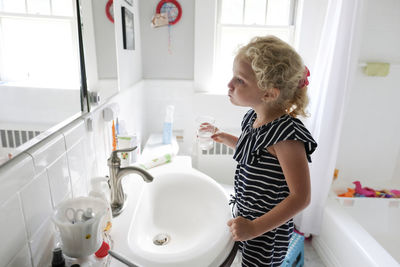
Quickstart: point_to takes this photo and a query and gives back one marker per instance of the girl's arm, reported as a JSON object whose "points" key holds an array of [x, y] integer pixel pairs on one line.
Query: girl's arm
{"points": [[292, 158], [225, 138]]}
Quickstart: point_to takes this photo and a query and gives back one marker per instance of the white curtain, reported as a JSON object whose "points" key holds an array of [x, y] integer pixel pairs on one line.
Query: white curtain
{"points": [[329, 85]]}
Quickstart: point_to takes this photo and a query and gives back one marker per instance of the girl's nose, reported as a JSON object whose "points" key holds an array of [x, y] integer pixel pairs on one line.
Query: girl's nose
{"points": [[230, 85]]}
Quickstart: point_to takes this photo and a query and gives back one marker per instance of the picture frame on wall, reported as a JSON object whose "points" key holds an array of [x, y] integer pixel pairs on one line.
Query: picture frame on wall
{"points": [[128, 29]]}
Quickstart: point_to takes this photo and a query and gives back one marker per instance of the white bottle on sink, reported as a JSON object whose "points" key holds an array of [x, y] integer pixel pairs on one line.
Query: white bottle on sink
{"points": [[100, 189]]}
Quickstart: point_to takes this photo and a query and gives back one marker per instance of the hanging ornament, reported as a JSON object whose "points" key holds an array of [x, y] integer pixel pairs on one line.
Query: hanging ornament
{"points": [[169, 40], [168, 12], [159, 20]]}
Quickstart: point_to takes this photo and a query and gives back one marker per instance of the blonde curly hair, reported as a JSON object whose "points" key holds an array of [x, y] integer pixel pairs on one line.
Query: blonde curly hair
{"points": [[277, 65]]}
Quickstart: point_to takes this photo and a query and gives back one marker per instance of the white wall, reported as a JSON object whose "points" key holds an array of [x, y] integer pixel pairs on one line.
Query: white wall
{"points": [[110, 68], [104, 41], [129, 61], [58, 168], [369, 146], [158, 63]]}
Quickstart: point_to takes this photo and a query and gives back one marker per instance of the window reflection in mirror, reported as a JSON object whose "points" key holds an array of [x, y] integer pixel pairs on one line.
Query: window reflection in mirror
{"points": [[39, 70], [40, 73]]}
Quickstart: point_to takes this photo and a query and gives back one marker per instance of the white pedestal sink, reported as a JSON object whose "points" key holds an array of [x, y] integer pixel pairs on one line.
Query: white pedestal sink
{"points": [[179, 219]]}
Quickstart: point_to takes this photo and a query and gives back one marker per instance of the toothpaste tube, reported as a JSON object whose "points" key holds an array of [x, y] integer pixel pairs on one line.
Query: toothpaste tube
{"points": [[156, 161]]}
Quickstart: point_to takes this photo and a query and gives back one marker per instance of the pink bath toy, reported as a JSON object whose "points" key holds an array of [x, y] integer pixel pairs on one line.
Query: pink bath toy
{"points": [[394, 191], [365, 191]]}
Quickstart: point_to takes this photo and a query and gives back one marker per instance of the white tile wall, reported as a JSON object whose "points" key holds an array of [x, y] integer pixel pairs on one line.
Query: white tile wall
{"points": [[57, 168], [22, 259], [14, 175], [47, 152], [12, 229], [42, 244], [36, 203], [188, 105], [74, 133], [33, 183], [77, 166], [59, 179]]}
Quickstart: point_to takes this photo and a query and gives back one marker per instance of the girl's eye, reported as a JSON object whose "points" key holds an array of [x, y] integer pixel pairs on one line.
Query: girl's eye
{"points": [[240, 81]]}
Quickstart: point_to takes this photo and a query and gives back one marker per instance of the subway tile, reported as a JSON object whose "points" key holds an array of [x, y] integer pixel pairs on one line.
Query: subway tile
{"points": [[12, 229], [79, 189], [90, 156], [14, 175], [77, 163], [36, 203], [59, 179], [45, 153], [22, 259], [42, 244], [74, 132]]}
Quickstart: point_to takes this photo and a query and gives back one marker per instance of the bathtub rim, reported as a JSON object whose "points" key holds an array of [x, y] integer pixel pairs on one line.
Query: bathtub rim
{"points": [[363, 243]]}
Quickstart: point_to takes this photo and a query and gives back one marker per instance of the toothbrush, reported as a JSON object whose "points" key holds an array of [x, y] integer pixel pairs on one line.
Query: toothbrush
{"points": [[117, 126], [114, 137]]}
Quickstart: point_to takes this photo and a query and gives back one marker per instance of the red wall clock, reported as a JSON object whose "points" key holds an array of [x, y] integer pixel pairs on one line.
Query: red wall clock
{"points": [[109, 10], [172, 8]]}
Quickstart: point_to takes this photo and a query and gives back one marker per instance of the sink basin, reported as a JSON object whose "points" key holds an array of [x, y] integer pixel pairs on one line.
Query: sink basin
{"points": [[179, 220]]}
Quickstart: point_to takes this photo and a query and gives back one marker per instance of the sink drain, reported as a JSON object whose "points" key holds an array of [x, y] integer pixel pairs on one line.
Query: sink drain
{"points": [[161, 239]]}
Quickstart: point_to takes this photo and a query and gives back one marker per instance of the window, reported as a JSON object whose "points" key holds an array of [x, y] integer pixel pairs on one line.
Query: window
{"points": [[235, 23], [38, 43]]}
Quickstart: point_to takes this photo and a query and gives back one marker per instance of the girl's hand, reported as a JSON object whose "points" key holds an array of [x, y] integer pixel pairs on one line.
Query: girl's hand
{"points": [[207, 127], [224, 138], [219, 137], [242, 229]]}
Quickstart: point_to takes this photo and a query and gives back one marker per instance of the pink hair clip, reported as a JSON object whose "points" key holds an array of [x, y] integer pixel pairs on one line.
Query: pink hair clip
{"points": [[304, 82]]}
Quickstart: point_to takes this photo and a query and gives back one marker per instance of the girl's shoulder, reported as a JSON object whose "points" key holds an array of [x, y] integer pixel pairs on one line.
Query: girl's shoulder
{"points": [[287, 128], [283, 128]]}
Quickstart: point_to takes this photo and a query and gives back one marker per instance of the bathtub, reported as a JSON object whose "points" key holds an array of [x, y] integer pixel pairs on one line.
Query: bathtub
{"points": [[359, 232]]}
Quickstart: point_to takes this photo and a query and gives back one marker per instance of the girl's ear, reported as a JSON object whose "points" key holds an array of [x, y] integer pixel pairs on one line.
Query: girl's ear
{"points": [[271, 95]]}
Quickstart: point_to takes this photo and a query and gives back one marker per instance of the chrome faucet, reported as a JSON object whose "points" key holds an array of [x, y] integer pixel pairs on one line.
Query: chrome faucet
{"points": [[115, 181]]}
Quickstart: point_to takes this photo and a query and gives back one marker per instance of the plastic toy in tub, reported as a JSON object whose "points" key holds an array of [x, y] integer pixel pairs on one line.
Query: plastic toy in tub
{"points": [[360, 191]]}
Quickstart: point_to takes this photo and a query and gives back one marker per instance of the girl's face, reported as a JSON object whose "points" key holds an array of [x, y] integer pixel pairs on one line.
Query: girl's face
{"points": [[243, 88]]}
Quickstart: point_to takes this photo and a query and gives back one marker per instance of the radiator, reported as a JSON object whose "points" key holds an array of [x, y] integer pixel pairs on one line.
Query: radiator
{"points": [[14, 138], [217, 163]]}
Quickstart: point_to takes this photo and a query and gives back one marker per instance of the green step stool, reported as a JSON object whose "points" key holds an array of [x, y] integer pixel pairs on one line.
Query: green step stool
{"points": [[295, 254]]}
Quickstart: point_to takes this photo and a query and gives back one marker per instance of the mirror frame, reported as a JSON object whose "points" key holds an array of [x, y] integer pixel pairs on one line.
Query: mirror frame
{"points": [[85, 107]]}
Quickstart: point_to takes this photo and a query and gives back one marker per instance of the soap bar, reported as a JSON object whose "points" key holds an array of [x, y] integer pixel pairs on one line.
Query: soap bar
{"points": [[377, 69]]}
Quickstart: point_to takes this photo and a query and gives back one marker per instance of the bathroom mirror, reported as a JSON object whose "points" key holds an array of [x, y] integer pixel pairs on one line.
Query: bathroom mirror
{"points": [[100, 49], [43, 57]]}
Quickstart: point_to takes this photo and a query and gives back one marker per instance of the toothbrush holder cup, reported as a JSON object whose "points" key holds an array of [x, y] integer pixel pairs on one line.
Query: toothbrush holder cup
{"points": [[82, 236]]}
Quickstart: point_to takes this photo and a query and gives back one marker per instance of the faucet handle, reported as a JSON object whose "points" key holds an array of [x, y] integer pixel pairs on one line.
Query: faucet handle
{"points": [[114, 155], [124, 150]]}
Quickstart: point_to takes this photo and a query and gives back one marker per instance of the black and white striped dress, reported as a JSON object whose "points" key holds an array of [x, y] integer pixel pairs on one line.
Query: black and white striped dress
{"points": [[260, 184]]}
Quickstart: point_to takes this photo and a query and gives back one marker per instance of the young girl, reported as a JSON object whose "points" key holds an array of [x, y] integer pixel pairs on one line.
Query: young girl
{"points": [[272, 181]]}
